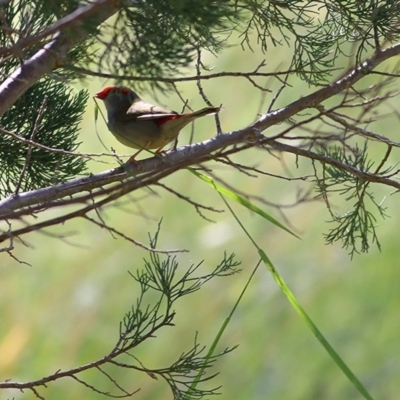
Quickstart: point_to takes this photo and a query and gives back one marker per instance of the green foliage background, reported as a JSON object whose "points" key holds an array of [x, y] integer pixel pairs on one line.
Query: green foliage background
{"points": [[64, 309]]}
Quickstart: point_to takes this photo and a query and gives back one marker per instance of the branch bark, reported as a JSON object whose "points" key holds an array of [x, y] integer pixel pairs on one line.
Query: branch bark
{"points": [[54, 53]]}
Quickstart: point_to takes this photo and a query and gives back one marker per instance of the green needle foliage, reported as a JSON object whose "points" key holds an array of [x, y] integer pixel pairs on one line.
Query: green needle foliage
{"points": [[141, 47], [48, 113], [50, 117], [160, 288], [356, 228]]}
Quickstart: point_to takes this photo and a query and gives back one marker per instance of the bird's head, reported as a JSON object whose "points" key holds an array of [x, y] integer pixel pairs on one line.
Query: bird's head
{"points": [[117, 97]]}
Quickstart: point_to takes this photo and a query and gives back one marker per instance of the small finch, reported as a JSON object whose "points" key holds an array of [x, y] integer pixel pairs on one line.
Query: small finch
{"points": [[142, 125]]}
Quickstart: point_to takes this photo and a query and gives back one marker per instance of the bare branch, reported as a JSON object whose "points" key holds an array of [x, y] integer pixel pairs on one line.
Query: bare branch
{"points": [[135, 242]]}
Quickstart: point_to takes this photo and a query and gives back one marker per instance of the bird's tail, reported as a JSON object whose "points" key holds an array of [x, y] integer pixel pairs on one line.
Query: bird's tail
{"points": [[205, 111], [176, 122]]}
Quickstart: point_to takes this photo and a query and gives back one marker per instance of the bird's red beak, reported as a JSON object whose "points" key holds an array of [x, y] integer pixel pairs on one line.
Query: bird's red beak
{"points": [[102, 95]]}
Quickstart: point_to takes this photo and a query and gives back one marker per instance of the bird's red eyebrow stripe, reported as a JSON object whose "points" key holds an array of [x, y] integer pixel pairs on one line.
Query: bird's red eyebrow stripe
{"points": [[162, 121], [103, 94]]}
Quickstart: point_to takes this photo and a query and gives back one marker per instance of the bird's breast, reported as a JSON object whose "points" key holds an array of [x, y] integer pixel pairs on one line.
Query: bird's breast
{"points": [[138, 134]]}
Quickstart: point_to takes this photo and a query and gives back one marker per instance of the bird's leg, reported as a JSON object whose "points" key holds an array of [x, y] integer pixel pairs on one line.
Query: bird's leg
{"points": [[159, 150], [132, 158]]}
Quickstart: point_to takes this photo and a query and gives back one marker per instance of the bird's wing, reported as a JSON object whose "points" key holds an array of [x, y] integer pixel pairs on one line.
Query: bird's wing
{"points": [[145, 111]]}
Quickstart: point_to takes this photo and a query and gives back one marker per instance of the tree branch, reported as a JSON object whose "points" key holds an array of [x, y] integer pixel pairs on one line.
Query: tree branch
{"points": [[53, 54], [130, 177], [214, 147]]}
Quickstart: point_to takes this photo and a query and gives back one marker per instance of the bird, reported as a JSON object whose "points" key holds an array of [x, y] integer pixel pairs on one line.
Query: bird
{"points": [[141, 125]]}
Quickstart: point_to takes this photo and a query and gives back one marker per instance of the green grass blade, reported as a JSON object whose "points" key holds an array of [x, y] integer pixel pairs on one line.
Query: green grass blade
{"points": [[317, 333], [302, 313], [220, 333], [241, 200]]}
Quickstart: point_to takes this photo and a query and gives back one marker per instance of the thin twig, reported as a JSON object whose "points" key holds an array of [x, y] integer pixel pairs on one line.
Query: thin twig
{"points": [[31, 139]]}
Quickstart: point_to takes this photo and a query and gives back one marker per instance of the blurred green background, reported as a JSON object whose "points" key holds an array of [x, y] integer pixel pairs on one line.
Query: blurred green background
{"points": [[64, 310]]}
